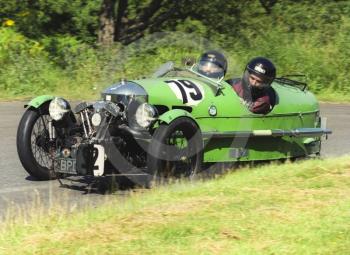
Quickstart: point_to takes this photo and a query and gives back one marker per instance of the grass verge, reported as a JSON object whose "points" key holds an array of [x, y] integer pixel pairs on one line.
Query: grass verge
{"points": [[299, 208]]}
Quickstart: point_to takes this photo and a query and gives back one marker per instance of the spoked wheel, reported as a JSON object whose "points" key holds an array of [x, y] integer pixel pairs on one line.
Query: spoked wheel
{"points": [[35, 150], [175, 151]]}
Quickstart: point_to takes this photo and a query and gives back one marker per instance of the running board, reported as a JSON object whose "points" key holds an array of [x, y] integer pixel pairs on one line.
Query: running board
{"points": [[299, 132]]}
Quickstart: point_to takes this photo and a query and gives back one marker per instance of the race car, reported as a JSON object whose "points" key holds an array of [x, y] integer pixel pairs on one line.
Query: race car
{"points": [[168, 125]]}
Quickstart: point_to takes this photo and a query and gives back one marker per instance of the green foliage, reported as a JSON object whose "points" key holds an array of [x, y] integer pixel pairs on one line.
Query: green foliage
{"points": [[63, 50], [56, 64], [300, 37], [24, 65], [192, 26], [36, 19]]}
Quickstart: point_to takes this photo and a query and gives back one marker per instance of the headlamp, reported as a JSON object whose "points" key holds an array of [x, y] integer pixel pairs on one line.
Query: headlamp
{"points": [[58, 107], [145, 115]]}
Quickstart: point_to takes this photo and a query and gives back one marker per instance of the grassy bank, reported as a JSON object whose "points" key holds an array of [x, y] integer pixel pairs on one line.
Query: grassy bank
{"points": [[300, 208]]}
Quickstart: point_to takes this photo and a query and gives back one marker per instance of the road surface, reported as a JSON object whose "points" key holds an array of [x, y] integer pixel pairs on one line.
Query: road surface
{"points": [[18, 190]]}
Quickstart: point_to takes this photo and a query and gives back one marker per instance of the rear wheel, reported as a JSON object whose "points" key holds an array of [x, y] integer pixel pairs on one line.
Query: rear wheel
{"points": [[175, 150], [34, 148]]}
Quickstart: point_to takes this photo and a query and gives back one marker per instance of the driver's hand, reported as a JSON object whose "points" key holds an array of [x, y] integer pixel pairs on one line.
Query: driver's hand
{"points": [[246, 103]]}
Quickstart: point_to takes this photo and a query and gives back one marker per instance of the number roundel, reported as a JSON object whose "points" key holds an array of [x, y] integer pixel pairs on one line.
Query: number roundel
{"points": [[187, 91]]}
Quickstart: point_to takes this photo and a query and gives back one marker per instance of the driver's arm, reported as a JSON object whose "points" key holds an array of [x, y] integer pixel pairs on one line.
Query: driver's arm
{"points": [[262, 105]]}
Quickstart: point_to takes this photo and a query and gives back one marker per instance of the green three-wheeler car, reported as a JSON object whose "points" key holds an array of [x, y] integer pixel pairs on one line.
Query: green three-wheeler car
{"points": [[169, 125]]}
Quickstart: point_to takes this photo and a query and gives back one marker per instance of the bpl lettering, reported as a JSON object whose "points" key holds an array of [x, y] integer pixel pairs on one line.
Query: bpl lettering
{"points": [[68, 166]]}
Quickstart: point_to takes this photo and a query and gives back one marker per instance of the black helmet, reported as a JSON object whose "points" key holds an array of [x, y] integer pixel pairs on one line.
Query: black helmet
{"points": [[263, 68], [212, 64]]}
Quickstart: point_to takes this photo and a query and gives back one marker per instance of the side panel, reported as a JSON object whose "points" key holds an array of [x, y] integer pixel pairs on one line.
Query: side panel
{"points": [[224, 112], [294, 109], [258, 148]]}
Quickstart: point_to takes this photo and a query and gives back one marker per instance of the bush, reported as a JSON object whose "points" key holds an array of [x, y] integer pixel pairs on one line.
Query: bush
{"points": [[25, 67], [299, 37]]}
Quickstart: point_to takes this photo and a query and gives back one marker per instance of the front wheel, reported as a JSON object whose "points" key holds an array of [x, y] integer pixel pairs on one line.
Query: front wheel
{"points": [[176, 150], [34, 148]]}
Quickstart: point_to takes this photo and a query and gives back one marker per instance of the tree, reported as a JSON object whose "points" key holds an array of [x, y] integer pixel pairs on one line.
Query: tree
{"points": [[267, 5], [106, 17], [118, 24]]}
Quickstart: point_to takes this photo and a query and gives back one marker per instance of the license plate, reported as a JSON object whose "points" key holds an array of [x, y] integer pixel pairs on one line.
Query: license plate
{"points": [[67, 166]]}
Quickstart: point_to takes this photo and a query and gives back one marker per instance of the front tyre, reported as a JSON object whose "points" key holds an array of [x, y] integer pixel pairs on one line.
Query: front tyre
{"points": [[176, 150], [33, 145]]}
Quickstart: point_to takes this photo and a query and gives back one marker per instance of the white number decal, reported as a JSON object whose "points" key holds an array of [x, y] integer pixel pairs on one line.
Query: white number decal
{"points": [[99, 166], [187, 91]]}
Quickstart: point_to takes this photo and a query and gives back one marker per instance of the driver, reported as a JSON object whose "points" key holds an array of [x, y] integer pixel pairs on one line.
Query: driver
{"points": [[255, 86], [212, 64]]}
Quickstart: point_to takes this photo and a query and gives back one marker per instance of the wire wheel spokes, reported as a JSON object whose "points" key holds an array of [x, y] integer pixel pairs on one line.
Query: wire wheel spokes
{"points": [[182, 163], [40, 143]]}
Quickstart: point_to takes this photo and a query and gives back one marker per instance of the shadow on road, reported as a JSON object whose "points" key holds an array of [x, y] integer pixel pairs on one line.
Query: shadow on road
{"points": [[97, 185]]}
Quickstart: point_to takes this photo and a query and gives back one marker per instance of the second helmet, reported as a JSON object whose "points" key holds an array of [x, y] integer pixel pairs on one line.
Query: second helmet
{"points": [[212, 64]]}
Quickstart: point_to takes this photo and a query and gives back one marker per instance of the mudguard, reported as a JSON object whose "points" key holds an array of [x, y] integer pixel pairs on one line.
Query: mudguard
{"points": [[38, 101], [171, 115]]}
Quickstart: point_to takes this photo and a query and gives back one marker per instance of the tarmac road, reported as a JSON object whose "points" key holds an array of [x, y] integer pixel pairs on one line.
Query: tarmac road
{"points": [[18, 190]]}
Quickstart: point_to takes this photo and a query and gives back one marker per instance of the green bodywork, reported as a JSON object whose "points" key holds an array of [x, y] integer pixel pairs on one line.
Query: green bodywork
{"points": [[169, 116], [294, 109], [38, 101], [229, 130]]}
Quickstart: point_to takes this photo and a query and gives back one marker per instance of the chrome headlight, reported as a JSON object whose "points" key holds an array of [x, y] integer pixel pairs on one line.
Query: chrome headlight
{"points": [[58, 107], [145, 115]]}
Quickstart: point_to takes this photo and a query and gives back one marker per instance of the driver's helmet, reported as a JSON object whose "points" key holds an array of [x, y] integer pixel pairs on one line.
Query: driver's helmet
{"points": [[212, 64], [263, 68]]}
